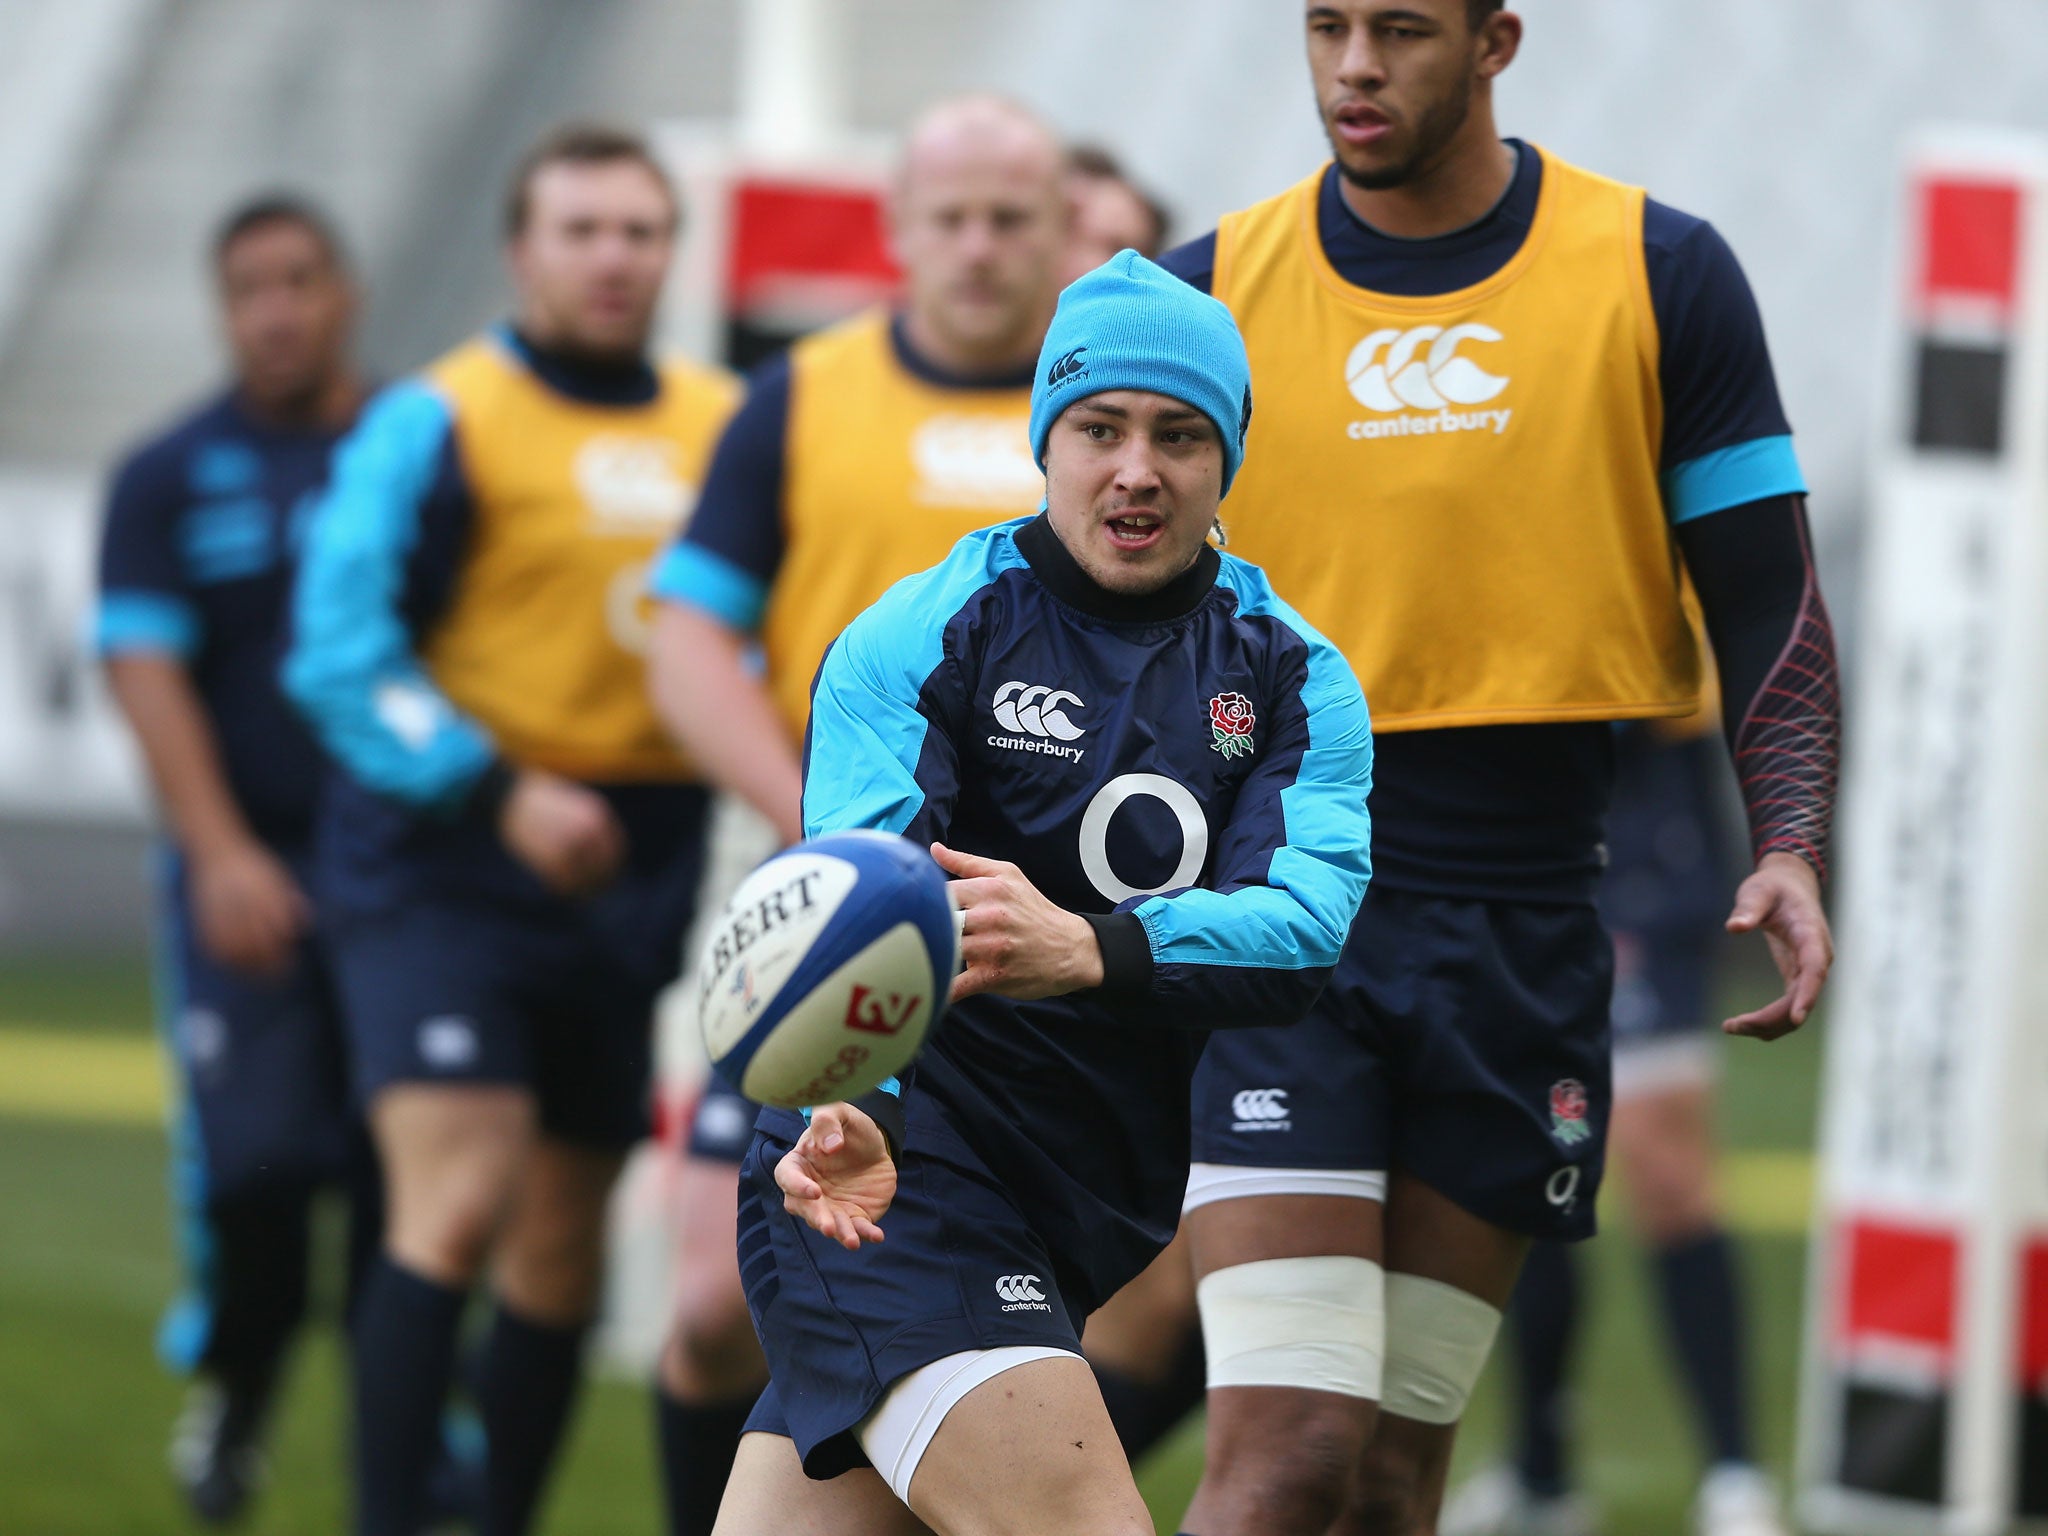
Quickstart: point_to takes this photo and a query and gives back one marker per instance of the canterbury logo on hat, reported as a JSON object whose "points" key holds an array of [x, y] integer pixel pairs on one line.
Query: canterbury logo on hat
{"points": [[1066, 368]]}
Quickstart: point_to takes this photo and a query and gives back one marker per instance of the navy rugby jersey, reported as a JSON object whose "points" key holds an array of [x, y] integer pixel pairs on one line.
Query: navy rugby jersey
{"points": [[1188, 768], [1517, 811], [202, 534]]}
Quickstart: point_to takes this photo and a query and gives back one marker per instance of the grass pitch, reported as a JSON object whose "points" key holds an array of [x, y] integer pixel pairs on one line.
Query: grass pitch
{"points": [[87, 1261]]}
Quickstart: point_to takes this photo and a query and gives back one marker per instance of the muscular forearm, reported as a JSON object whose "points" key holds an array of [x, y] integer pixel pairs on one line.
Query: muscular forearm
{"points": [[718, 710], [1781, 690], [178, 744]]}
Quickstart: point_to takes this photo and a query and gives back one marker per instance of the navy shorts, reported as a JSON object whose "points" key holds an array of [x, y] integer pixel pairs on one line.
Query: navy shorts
{"points": [[454, 990], [260, 1065], [722, 1128], [1462, 1042], [961, 1269]]}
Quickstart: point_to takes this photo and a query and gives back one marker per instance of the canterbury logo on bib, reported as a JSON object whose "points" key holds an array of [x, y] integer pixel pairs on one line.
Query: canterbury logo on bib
{"points": [[1397, 372]]}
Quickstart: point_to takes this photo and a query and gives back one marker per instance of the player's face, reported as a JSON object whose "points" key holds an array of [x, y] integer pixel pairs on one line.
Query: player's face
{"points": [[1132, 484], [289, 310], [1107, 217], [590, 262], [1394, 82], [980, 231]]}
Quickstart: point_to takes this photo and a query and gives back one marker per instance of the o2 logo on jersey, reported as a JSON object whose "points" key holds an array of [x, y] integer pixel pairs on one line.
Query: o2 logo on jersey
{"points": [[1399, 373], [1178, 798]]}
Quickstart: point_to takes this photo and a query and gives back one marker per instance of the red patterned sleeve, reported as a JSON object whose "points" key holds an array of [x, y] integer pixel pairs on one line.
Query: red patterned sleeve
{"points": [[1754, 570]]}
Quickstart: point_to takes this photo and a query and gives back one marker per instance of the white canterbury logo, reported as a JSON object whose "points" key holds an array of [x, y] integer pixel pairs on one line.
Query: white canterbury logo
{"points": [[1036, 718], [1385, 373], [1260, 1109], [1021, 1293], [1260, 1104], [1037, 710]]}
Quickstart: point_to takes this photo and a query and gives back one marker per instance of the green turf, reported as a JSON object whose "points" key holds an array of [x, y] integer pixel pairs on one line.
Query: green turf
{"points": [[86, 1262]]}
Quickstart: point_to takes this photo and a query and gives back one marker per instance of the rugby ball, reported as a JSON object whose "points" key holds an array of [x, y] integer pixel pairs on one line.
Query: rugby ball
{"points": [[826, 969]]}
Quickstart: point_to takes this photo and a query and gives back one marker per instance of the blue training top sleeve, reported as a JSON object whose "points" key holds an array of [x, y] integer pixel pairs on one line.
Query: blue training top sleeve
{"points": [[1726, 439], [878, 752], [145, 600], [726, 558], [1291, 867], [352, 669], [1194, 263]]}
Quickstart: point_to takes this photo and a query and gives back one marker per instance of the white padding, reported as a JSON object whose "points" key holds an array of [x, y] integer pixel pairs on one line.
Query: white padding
{"points": [[1317, 1322], [900, 1429], [1438, 1338], [1210, 1182]]}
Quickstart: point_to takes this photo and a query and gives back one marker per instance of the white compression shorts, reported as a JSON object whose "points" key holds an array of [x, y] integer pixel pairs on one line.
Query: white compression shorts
{"points": [[1210, 1182], [899, 1430]]}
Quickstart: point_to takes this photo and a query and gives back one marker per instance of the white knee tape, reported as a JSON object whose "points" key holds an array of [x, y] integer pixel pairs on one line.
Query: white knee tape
{"points": [[1315, 1322], [1438, 1338]]}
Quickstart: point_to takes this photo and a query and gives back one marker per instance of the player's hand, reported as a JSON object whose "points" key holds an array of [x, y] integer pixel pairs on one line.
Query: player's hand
{"points": [[1783, 899], [562, 831], [249, 910], [839, 1177], [1014, 941]]}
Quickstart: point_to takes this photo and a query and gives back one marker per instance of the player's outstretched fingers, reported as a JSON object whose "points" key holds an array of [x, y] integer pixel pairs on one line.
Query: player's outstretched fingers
{"points": [[839, 1177]]}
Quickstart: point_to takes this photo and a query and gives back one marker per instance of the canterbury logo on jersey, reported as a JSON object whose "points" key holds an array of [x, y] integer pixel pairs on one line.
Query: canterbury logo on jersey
{"points": [[1260, 1109], [1020, 1293], [1399, 373], [1036, 718]]}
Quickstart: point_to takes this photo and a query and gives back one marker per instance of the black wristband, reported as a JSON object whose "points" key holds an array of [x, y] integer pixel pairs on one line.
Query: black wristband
{"points": [[886, 1110], [1126, 954]]}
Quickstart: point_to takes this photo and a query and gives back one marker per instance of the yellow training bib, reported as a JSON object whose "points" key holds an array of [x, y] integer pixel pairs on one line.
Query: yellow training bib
{"points": [[1461, 491], [883, 472], [544, 638]]}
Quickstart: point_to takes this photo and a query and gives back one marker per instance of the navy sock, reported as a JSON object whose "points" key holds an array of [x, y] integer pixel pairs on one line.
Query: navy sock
{"points": [[1144, 1412], [405, 1336], [525, 1386], [1545, 1310], [1701, 1298], [259, 1282], [698, 1443]]}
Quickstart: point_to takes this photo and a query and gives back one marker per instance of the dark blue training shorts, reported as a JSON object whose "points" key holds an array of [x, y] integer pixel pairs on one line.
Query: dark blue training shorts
{"points": [[961, 1269], [463, 991], [1462, 1042], [260, 1067]]}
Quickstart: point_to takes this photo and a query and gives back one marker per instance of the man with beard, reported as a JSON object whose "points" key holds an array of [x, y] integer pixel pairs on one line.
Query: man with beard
{"points": [[1508, 408], [510, 851]]}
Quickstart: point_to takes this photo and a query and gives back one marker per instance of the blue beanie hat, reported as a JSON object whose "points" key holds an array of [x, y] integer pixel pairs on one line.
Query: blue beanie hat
{"points": [[1131, 324]]}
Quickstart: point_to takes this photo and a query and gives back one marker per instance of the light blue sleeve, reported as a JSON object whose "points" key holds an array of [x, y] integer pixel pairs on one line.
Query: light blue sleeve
{"points": [[351, 668], [1292, 866], [1732, 477], [874, 756], [127, 623], [695, 577]]}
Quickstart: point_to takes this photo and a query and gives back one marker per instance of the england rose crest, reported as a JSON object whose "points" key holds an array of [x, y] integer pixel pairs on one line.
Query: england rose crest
{"points": [[1230, 722], [1568, 1111]]}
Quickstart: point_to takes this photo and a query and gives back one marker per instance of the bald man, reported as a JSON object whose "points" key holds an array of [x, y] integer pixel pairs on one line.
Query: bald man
{"points": [[857, 458]]}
